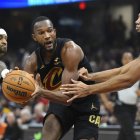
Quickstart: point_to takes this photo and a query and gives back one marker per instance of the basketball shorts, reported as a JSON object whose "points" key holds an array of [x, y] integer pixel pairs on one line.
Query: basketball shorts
{"points": [[84, 115]]}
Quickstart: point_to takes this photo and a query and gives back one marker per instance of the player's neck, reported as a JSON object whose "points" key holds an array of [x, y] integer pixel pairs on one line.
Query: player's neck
{"points": [[47, 55]]}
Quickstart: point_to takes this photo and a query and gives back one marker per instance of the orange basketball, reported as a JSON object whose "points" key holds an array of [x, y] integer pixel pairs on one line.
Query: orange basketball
{"points": [[18, 85]]}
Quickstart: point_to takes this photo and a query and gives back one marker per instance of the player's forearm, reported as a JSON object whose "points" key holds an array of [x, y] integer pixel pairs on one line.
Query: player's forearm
{"points": [[113, 84], [55, 96], [105, 75]]}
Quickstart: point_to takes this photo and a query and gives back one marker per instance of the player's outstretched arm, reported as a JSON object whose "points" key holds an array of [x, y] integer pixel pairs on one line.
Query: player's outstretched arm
{"points": [[128, 76], [98, 76], [105, 75]]}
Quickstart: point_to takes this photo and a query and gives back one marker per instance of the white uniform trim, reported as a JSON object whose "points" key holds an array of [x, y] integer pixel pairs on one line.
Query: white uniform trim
{"points": [[4, 73], [129, 96]]}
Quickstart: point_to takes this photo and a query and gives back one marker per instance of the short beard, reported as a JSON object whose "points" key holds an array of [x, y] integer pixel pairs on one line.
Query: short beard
{"points": [[3, 51]]}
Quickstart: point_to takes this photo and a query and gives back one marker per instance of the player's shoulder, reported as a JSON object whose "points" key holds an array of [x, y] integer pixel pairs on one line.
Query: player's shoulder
{"points": [[62, 41], [71, 46], [72, 50], [31, 58]]}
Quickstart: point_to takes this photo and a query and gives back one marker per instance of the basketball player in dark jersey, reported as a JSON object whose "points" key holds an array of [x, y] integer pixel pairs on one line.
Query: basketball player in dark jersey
{"points": [[3, 42], [3, 50], [57, 60], [110, 80]]}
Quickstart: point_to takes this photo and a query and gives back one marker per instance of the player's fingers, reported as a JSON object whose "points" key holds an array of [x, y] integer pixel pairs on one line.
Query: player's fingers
{"points": [[67, 89], [16, 68], [74, 81], [10, 70], [73, 98], [82, 70], [39, 80], [83, 77], [37, 77], [69, 92], [33, 94], [68, 86]]}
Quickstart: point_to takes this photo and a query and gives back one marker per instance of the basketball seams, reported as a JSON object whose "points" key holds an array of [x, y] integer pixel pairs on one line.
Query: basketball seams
{"points": [[17, 86], [24, 77], [16, 99]]}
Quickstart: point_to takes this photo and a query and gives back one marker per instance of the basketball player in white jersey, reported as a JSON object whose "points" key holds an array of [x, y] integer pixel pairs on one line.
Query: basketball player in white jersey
{"points": [[125, 105]]}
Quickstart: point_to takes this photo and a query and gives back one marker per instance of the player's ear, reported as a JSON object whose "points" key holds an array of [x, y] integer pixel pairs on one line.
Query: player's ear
{"points": [[33, 36]]}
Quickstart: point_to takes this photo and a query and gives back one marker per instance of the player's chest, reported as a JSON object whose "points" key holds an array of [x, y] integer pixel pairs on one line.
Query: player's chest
{"points": [[51, 74]]}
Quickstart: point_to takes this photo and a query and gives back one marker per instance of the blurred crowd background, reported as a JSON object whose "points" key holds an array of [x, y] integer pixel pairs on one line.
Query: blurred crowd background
{"points": [[103, 28]]}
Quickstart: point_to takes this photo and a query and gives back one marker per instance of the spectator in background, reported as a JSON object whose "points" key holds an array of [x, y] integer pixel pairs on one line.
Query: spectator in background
{"points": [[120, 30], [138, 114], [125, 106], [25, 117], [39, 113], [12, 131], [3, 126]]}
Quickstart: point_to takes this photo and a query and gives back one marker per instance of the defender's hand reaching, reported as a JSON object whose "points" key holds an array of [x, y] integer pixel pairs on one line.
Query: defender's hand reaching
{"points": [[78, 89], [83, 73]]}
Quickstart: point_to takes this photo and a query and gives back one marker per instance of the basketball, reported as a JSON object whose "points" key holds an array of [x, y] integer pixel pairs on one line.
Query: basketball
{"points": [[18, 85]]}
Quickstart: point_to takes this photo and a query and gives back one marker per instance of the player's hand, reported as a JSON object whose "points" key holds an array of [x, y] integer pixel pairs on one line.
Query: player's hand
{"points": [[83, 73], [138, 23], [78, 89], [38, 87], [6, 71], [16, 68], [36, 93]]}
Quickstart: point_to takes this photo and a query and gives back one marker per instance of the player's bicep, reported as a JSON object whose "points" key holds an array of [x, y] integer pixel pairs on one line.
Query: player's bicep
{"points": [[135, 69], [68, 75], [71, 57]]}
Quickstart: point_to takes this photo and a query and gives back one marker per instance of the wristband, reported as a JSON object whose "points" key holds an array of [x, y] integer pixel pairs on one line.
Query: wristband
{"points": [[4, 72]]}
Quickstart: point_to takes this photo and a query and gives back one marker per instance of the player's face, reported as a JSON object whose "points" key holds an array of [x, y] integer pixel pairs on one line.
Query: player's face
{"points": [[3, 44], [45, 34], [138, 23], [126, 58]]}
